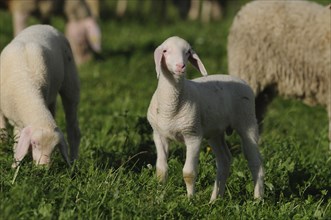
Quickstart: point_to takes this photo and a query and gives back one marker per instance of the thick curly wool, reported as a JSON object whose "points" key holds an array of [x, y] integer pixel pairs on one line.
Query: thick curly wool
{"points": [[284, 46]]}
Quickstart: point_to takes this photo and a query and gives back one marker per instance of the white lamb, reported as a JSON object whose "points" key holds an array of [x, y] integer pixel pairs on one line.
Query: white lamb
{"points": [[188, 111], [34, 67]]}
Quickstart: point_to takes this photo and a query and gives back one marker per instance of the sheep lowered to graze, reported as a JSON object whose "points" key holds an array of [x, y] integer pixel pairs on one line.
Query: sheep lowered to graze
{"points": [[188, 111], [34, 67], [283, 47]]}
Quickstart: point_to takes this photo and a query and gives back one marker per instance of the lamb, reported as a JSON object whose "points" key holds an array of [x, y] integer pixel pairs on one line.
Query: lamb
{"points": [[34, 67], [206, 107], [283, 47]]}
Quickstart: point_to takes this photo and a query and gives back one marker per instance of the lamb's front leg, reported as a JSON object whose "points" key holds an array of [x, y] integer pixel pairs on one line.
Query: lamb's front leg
{"points": [[190, 170], [70, 107], [162, 149], [17, 133]]}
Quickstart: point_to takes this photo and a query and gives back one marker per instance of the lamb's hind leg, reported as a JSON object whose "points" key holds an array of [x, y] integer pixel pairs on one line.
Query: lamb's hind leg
{"points": [[223, 162], [249, 137]]}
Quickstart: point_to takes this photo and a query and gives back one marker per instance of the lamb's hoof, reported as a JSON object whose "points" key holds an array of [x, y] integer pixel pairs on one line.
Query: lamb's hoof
{"points": [[14, 165]]}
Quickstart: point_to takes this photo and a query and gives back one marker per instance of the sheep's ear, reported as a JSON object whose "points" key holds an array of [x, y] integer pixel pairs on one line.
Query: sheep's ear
{"points": [[196, 62], [23, 144], [63, 146], [158, 54], [93, 34]]}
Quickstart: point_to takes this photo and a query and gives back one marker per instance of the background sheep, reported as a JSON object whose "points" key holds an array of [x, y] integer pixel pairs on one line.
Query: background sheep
{"points": [[206, 107], [192, 9], [283, 47], [82, 30], [34, 67]]}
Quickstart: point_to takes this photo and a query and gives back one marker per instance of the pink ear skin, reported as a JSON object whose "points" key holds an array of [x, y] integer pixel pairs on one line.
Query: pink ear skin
{"points": [[93, 34], [158, 54], [196, 62], [23, 145]]}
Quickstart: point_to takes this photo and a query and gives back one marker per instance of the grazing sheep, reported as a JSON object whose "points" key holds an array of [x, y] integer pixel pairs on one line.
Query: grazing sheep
{"points": [[283, 47], [188, 111], [34, 67]]}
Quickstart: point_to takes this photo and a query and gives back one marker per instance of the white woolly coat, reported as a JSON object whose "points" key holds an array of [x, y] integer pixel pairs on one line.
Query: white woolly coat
{"points": [[285, 44], [34, 67], [42, 68]]}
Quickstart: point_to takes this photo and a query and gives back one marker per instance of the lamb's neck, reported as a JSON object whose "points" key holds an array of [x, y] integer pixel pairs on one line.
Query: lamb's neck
{"points": [[37, 114], [170, 91]]}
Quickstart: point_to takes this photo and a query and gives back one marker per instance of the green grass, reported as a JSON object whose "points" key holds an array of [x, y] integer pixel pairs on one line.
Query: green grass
{"points": [[112, 178]]}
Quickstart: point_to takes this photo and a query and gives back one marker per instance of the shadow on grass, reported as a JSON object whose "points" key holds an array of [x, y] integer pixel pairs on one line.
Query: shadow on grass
{"points": [[302, 182], [133, 158], [140, 155]]}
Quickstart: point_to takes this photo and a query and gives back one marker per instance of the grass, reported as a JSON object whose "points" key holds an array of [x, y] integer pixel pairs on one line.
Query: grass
{"points": [[114, 177]]}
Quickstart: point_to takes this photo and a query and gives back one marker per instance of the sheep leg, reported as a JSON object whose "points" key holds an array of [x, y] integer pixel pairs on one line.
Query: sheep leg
{"points": [[223, 162], [261, 103], [52, 108], [3, 132], [191, 163], [193, 13], [17, 133], [20, 20], [72, 126], [329, 112], [162, 149], [249, 141]]}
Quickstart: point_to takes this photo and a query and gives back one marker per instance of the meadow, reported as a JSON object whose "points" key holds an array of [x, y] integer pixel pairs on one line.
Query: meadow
{"points": [[114, 177]]}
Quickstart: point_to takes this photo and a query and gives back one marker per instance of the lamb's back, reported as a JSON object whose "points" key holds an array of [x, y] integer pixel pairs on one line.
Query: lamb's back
{"points": [[222, 85], [224, 99]]}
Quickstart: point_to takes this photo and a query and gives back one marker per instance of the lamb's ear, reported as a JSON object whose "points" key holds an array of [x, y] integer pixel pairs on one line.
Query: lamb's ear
{"points": [[196, 62], [93, 34], [158, 54], [63, 146], [23, 144]]}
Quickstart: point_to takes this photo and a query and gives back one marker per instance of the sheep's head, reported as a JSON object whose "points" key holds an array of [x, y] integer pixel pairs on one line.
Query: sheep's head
{"points": [[42, 143], [173, 54]]}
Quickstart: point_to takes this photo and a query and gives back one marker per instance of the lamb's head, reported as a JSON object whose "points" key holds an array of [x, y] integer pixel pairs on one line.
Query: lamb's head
{"points": [[42, 142], [172, 56]]}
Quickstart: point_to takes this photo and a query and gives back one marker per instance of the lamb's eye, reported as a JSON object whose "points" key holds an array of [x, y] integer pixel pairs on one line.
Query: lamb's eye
{"points": [[188, 52], [164, 51]]}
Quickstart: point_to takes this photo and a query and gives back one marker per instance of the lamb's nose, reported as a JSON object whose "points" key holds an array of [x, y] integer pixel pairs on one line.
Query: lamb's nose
{"points": [[180, 67]]}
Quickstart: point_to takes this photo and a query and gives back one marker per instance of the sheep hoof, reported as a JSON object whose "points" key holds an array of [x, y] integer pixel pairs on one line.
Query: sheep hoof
{"points": [[162, 176]]}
